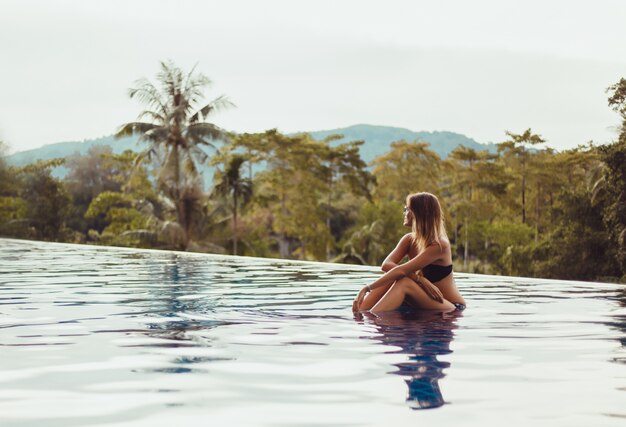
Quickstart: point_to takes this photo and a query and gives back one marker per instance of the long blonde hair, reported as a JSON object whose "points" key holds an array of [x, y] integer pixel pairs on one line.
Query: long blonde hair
{"points": [[427, 224]]}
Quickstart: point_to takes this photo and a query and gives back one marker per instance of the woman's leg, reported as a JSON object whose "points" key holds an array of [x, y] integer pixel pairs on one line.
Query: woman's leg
{"points": [[407, 287], [373, 297]]}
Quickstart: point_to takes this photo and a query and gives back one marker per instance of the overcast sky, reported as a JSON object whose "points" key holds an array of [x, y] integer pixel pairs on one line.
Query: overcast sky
{"points": [[475, 67]]}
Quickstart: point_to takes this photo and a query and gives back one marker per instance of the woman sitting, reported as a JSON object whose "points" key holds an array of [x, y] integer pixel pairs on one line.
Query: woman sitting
{"points": [[425, 280]]}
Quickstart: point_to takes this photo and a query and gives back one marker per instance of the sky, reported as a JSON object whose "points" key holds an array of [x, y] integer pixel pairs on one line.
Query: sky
{"points": [[479, 68]]}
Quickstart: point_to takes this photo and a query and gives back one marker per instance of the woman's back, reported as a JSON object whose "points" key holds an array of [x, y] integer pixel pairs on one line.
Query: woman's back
{"points": [[445, 282]]}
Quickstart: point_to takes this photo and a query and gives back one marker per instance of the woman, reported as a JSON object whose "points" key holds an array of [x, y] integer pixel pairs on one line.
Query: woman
{"points": [[426, 280]]}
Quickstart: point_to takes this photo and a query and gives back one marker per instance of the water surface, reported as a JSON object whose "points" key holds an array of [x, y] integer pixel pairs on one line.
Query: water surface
{"points": [[121, 337]]}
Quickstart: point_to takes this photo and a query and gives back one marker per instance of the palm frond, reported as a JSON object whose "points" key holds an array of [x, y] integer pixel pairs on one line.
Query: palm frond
{"points": [[173, 231], [218, 104], [144, 155], [207, 247], [142, 234], [171, 79], [148, 94], [199, 154], [194, 91], [157, 135], [597, 189], [157, 117], [129, 129], [196, 142], [189, 76], [145, 207], [166, 202], [206, 132]]}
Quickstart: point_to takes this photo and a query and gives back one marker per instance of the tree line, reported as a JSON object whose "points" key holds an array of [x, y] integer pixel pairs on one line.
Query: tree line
{"points": [[526, 210]]}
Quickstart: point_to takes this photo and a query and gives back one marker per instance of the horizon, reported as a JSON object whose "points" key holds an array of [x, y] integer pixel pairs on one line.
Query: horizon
{"points": [[430, 68], [84, 140]]}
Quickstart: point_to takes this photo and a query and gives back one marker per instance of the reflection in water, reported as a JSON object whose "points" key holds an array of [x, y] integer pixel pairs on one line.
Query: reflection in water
{"points": [[264, 342], [620, 324], [423, 336], [173, 280]]}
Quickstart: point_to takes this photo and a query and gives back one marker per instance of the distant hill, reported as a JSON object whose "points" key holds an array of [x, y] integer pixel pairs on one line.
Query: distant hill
{"points": [[64, 149], [377, 141]]}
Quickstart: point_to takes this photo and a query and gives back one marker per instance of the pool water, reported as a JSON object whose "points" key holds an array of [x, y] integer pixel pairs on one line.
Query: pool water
{"points": [[103, 336]]}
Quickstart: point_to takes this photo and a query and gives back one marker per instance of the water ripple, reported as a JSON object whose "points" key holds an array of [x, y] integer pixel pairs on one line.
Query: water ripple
{"points": [[103, 336]]}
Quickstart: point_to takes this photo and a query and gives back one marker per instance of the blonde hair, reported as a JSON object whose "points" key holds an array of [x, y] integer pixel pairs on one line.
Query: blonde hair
{"points": [[427, 224]]}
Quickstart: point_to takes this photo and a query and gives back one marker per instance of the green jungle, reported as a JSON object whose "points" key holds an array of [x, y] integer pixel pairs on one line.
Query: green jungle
{"points": [[527, 210]]}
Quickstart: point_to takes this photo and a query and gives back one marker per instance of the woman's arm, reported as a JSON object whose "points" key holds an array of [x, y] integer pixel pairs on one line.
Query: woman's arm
{"points": [[431, 254], [398, 253], [428, 256]]}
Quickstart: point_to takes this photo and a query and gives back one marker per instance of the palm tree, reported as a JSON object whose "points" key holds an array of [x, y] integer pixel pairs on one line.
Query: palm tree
{"points": [[231, 182], [364, 245], [175, 130]]}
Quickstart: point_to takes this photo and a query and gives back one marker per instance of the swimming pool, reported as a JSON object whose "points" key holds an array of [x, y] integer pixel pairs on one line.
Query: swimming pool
{"points": [[123, 337]]}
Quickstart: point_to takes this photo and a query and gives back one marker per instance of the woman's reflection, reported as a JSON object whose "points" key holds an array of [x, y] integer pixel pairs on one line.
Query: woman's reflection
{"points": [[423, 336]]}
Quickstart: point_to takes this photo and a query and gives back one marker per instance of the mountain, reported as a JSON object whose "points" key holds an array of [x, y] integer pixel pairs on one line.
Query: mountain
{"points": [[64, 149], [377, 141], [379, 138]]}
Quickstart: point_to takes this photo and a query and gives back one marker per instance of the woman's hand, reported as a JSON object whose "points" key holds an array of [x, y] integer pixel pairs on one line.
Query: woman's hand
{"points": [[431, 290], [359, 299]]}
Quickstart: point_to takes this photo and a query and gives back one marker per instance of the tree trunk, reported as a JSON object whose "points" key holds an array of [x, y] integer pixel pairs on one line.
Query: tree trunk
{"points": [[466, 245], [537, 214], [176, 172], [179, 203], [523, 160], [235, 222], [330, 192], [283, 244], [523, 199]]}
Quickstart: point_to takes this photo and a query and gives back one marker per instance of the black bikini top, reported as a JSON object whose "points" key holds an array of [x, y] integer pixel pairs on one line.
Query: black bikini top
{"points": [[435, 273]]}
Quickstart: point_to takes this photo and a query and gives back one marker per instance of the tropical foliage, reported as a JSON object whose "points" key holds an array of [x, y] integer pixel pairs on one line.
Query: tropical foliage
{"points": [[176, 129], [525, 210]]}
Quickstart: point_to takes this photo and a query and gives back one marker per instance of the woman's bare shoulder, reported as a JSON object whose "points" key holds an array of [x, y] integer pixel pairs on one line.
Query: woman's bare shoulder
{"points": [[446, 247], [404, 243], [406, 240], [443, 245]]}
